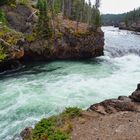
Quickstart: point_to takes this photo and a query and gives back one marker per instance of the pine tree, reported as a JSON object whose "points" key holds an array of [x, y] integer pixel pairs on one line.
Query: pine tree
{"points": [[97, 14], [2, 17], [43, 21], [98, 19], [126, 20]]}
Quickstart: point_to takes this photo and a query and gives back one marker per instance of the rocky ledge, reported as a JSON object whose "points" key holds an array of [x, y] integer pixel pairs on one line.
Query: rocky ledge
{"points": [[19, 39], [123, 103], [114, 119]]}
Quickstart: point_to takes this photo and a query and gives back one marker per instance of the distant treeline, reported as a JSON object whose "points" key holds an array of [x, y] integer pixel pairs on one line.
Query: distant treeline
{"points": [[78, 10], [132, 17], [112, 19], [125, 18]]}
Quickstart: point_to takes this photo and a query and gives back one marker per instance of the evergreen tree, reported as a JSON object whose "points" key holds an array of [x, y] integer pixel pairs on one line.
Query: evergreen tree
{"points": [[43, 21], [2, 17], [126, 20], [97, 14], [97, 20]]}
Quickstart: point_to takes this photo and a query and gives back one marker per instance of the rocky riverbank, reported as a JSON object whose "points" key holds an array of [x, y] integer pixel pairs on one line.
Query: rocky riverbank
{"points": [[131, 28], [114, 119], [20, 42]]}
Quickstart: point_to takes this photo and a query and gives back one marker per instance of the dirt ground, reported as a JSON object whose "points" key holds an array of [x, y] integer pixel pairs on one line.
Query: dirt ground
{"points": [[123, 125]]}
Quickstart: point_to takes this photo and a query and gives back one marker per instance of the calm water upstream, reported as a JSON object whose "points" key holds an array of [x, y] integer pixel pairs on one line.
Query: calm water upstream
{"points": [[46, 89]]}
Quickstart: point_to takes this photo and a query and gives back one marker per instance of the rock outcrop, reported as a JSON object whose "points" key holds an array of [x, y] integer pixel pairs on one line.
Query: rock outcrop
{"points": [[69, 46], [19, 17], [123, 103], [21, 42]]}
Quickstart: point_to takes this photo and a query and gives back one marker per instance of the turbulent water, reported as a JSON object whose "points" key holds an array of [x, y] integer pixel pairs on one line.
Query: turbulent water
{"points": [[45, 89]]}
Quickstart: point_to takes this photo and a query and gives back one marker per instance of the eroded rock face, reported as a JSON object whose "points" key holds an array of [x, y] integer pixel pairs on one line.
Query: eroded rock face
{"points": [[69, 46]]}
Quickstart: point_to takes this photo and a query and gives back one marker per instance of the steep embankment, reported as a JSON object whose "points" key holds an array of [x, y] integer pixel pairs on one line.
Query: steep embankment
{"points": [[114, 119], [20, 41]]}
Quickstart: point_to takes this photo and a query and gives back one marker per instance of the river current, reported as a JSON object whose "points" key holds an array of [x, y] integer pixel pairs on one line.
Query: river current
{"points": [[45, 89]]}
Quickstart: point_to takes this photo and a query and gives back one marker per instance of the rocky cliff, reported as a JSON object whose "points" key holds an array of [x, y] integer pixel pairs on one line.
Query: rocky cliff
{"points": [[67, 46], [19, 41]]}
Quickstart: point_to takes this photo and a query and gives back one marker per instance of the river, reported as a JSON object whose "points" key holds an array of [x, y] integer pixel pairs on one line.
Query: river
{"points": [[45, 89]]}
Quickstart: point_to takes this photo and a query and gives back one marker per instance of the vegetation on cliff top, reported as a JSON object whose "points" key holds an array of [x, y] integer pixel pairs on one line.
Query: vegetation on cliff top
{"points": [[53, 18], [78, 10]]}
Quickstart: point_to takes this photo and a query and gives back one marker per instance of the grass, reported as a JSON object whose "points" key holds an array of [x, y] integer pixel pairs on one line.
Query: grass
{"points": [[56, 127]]}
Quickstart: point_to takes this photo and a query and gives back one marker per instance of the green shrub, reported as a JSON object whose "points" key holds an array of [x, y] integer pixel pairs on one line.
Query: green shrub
{"points": [[23, 2], [56, 127], [58, 135], [46, 128], [2, 18], [72, 112], [2, 54], [30, 37]]}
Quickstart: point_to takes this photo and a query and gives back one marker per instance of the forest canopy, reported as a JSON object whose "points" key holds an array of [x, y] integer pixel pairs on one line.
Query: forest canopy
{"points": [[128, 18]]}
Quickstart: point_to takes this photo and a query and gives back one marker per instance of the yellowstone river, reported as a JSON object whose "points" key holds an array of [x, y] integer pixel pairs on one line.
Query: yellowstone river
{"points": [[45, 89]]}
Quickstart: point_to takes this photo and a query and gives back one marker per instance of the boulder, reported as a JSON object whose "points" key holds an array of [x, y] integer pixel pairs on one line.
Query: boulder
{"points": [[26, 134], [113, 106], [136, 94]]}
